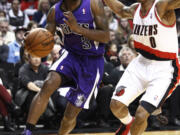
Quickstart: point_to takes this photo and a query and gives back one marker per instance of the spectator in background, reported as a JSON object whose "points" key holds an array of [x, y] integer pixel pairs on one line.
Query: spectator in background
{"points": [[23, 60], [41, 15], [112, 55], [14, 47], [6, 36], [17, 17], [112, 36], [2, 14], [124, 31], [113, 22], [4, 52], [126, 55], [55, 53], [31, 78], [28, 74], [29, 7], [5, 6], [7, 106]]}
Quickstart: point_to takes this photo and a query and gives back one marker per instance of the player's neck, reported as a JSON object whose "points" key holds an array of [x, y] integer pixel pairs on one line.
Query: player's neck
{"points": [[145, 6], [71, 5]]}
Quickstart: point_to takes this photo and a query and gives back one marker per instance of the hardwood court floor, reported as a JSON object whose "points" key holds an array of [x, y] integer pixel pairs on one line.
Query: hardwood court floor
{"points": [[146, 133]]}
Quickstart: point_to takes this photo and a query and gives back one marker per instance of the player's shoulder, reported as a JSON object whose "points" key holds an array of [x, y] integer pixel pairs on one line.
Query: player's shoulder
{"points": [[161, 3], [52, 11], [96, 3], [134, 6], [53, 7]]}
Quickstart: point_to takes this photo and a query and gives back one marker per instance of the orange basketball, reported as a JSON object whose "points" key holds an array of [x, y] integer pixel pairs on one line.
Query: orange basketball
{"points": [[39, 42]]}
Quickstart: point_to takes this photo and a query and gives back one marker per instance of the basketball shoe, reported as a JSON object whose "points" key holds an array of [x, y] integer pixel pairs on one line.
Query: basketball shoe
{"points": [[124, 129], [26, 132]]}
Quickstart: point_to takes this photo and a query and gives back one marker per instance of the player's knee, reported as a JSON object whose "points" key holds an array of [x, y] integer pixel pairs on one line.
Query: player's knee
{"points": [[141, 115], [51, 83], [117, 107], [69, 116]]}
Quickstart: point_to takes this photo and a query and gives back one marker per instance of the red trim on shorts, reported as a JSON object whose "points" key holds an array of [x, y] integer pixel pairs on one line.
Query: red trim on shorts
{"points": [[165, 25], [177, 78], [157, 53], [147, 11], [174, 81]]}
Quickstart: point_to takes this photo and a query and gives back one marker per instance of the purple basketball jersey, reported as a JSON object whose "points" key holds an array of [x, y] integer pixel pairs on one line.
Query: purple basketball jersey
{"points": [[74, 42]]}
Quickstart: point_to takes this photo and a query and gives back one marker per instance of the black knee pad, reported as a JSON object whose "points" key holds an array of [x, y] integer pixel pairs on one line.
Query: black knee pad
{"points": [[148, 107]]}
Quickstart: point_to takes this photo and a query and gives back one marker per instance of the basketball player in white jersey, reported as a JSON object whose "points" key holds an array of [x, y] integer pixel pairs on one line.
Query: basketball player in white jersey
{"points": [[155, 72]]}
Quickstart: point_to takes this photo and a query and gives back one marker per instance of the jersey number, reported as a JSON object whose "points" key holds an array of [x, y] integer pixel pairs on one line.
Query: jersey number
{"points": [[86, 43], [153, 42]]}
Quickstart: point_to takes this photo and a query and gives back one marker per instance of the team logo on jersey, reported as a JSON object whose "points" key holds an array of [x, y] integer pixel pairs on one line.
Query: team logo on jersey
{"points": [[156, 97], [84, 11], [80, 100], [145, 30], [120, 91], [151, 16], [61, 67]]}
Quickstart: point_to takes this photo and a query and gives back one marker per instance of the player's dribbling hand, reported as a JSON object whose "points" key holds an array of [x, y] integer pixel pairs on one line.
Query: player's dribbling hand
{"points": [[71, 21]]}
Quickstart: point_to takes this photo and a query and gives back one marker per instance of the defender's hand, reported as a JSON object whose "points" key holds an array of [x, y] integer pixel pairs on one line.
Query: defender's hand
{"points": [[71, 21]]}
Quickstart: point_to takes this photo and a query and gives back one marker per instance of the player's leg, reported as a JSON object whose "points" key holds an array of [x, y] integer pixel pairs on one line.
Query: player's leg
{"points": [[51, 83], [155, 95], [40, 101], [57, 77], [127, 90], [69, 120], [140, 122]]}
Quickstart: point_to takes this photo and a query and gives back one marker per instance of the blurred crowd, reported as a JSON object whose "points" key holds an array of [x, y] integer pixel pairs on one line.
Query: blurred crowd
{"points": [[22, 75]]}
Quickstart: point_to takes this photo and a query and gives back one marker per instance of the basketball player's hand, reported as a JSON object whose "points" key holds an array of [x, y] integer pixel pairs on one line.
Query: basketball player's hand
{"points": [[71, 21]]}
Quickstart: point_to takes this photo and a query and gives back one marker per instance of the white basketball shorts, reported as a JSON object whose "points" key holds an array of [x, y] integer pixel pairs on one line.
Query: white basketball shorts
{"points": [[156, 79]]}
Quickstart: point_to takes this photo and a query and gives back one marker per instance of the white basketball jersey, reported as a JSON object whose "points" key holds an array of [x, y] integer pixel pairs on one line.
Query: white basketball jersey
{"points": [[153, 39]]}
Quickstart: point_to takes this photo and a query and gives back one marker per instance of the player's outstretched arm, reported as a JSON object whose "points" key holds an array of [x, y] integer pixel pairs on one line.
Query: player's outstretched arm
{"points": [[51, 24], [101, 33], [169, 4], [165, 9], [120, 9]]}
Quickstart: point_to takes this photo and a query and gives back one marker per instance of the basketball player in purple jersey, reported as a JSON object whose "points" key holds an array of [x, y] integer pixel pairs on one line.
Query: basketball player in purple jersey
{"points": [[80, 67]]}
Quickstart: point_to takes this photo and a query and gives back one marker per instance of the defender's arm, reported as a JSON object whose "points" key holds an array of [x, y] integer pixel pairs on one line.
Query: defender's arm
{"points": [[169, 4], [165, 9], [120, 9]]}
